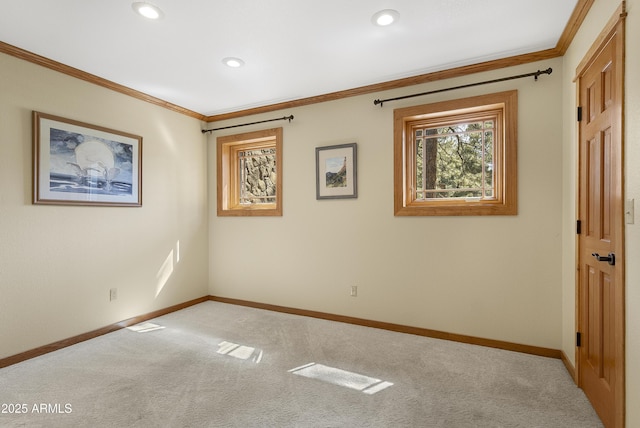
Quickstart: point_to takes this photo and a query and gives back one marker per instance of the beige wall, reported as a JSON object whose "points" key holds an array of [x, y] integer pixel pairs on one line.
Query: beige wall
{"points": [[632, 147], [491, 277], [600, 13], [57, 263]]}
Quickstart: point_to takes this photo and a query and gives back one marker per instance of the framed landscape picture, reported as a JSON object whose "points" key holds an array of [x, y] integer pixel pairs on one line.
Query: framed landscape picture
{"points": [[75, 163], [336, 172]]}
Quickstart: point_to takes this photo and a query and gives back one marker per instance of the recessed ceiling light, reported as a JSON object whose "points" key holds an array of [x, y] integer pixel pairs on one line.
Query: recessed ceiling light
{"points": [[233, 62], [385, 17], [147, 10]]}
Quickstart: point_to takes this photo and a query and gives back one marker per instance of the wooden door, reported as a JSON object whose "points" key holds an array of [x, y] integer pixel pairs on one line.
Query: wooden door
{"points": [[600, 242]]}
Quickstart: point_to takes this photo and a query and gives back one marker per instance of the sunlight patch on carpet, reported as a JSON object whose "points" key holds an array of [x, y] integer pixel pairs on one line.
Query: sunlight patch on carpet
{"points": [[145, 327], [366, 384], [240, 351]]}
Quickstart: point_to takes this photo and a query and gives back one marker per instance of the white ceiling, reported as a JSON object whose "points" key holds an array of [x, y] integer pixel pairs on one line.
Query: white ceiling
{"points": [[292, 48]]}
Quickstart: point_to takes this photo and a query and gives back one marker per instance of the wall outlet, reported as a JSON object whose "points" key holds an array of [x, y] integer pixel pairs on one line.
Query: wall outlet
{"points": [[354, 291], [113, 294]]}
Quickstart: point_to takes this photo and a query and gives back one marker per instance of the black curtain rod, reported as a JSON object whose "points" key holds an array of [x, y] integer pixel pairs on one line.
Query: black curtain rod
{"points": [[289, 118], [534, 74]]}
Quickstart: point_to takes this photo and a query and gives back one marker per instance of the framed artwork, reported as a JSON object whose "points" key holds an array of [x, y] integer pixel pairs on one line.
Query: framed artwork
{"points": [[75, 163], [336, 172]]}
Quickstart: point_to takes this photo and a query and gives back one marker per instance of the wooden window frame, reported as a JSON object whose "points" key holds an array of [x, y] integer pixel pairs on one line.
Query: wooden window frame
{"points": [[228, 183], [505, 156]]}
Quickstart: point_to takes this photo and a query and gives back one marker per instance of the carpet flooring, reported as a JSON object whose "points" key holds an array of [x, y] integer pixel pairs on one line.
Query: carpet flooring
{"points": [[221, 365]]}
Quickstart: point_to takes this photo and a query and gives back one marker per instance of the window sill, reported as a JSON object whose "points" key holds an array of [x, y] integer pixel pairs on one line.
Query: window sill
{"points": [[461, 208], [250, 211]]}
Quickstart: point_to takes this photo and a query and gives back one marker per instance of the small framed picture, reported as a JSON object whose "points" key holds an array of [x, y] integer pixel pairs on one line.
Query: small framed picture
{"points": [[337, 172], [75, 163]]}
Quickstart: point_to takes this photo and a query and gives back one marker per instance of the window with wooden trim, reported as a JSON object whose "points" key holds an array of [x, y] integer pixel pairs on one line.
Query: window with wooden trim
{"points": [[457, 157], [249, 172]]}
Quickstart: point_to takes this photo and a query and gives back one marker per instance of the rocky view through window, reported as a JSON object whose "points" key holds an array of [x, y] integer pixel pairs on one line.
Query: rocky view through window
{"points": [[258, 176]]}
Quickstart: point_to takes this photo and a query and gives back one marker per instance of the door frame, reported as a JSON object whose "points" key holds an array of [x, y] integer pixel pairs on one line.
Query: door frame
{"points": [[615, 27]]}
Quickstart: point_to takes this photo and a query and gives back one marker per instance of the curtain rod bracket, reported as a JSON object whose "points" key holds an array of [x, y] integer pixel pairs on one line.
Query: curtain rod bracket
{"points": [[289, 118], [535, 75], [538, 73]]}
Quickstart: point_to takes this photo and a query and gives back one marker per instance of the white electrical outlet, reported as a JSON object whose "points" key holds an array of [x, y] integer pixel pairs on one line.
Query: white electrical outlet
{"points": [[113, 294], [354, 290]]}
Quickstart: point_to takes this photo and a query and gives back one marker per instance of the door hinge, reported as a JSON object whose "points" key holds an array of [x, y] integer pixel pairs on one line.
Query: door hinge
{"points": [[579, 114], [578, 227], [578, 339]]}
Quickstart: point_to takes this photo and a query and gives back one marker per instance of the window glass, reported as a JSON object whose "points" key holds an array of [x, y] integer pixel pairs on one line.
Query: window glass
{"points": [[455, 161]]}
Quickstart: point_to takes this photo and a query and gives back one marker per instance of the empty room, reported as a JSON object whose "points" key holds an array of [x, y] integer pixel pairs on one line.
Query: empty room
{"points": [[320, 214]]}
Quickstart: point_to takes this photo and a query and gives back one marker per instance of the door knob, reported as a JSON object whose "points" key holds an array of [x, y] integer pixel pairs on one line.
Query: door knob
{"points": [[611, 258]]}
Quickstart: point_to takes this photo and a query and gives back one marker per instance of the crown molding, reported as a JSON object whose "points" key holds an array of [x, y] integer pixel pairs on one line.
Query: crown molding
{"points": [[91, 78], [572, 27]]}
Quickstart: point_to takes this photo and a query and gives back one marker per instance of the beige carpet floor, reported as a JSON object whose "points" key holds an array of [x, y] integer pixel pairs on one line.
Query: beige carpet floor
{"points": [[220, 365]]}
